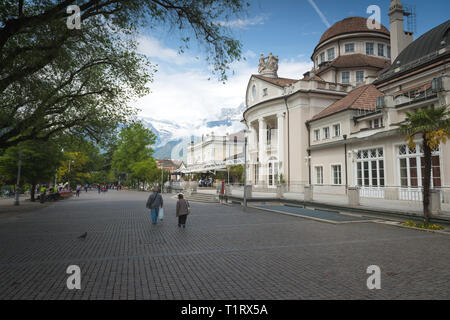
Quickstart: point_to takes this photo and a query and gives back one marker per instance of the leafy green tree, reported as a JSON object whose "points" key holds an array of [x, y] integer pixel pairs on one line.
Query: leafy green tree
{"points": [[432, 125], [134, 150], [55, 79], [39, 163], [236, 173], [75, 168]]}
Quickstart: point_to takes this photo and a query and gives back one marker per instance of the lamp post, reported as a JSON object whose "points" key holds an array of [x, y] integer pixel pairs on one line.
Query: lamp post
{"points": [[245, 170], [162, 176], [19, 165], [68, 176]]}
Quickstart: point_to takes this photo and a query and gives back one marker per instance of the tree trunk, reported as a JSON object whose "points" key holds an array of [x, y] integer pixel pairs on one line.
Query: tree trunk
{"points": [[426, 180], [32, 192]]}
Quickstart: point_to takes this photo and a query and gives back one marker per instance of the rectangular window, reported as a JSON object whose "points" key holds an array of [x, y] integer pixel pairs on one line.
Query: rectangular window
{"points": [[376, 123], [326, 133], [330, 54], [337, 130], [316, 135], [337, 174], [265, 92], [322, 57], [381, 50], [350, 47], [345, 77], [359, 76], [369, 48], [388, 52], [319, 175]]}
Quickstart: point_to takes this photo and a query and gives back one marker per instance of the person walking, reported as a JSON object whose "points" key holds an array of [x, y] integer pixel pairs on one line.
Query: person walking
{"points": [[42, 194], [183, 209], [99, 188], [154, 202], [78, 189]]}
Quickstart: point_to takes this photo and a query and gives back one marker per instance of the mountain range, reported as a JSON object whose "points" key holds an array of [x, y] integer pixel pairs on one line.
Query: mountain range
{"points": [[172, 138]]}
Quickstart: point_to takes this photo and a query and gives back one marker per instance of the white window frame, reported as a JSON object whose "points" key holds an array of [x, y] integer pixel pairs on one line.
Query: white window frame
{"points": [[323, 57], [373, 49], [380, 123], [378, 49], [315, 174], [356, 76], [342, 76], [369, 160], [316, 137], [348, 44], [334, 130], [332, 174], [418, 157], [328, 54], [324, 135]]}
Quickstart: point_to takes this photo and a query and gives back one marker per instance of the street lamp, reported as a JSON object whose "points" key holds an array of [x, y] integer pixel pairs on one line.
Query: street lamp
{"points": [[245, 170], [19, 165], [68, 176]]}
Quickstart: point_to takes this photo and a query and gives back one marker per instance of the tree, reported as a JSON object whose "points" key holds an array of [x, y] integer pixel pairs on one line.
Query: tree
{"points": [[134, 150], [55, 79], [145, 171], [236, 173], [75, 168], [39, 163], [432, 125]]}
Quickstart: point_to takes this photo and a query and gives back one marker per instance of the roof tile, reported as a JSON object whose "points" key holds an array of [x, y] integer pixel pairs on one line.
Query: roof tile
{"points": [[361, 98]]}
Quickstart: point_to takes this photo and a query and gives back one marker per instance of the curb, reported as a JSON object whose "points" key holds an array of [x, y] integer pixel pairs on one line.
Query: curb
{"points": [[400, 225], [313, 218]]}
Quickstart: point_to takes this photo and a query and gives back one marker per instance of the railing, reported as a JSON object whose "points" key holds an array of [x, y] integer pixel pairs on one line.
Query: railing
{"points": [[414, 63], [322, 191], [413, 96]]}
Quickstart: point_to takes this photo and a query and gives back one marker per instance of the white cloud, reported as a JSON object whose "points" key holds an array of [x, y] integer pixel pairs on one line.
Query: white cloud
{"points": [[294, 69], [244, 23], [184, 95], [153, 48], [187, 96]]}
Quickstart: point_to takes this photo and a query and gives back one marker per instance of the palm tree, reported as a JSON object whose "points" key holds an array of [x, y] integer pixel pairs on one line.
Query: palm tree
{"points": [[433, 126]]}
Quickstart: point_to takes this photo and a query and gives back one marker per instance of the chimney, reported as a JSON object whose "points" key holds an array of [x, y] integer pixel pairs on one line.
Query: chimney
{"points": [[400, 38]]}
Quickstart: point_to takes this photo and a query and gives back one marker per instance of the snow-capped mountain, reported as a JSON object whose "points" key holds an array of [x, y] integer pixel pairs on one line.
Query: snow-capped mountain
{"points": [[172, 138]]}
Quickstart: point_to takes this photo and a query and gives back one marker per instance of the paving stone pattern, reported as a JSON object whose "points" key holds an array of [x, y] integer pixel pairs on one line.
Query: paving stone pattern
{"points": [[224, 253]]}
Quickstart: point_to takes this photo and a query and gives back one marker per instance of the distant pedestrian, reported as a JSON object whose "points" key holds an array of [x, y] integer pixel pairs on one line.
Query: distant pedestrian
{"points": [[99, 188], [183, 209], [154, 202], [86, 186], [78, 189], [42, 194]]}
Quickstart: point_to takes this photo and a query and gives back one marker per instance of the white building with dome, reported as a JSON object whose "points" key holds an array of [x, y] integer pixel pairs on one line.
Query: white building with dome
{"points": [[335, 127]]}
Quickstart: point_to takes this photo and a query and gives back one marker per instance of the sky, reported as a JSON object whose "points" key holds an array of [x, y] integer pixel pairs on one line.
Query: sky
{"points": [[290, 29]]}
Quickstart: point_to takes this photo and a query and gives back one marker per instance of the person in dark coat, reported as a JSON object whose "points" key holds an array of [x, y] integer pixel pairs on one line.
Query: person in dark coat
{"points": [[183, 209], [154, 202]]}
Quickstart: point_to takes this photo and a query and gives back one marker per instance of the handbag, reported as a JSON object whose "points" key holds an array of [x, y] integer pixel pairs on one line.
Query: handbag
{"points": [[161, 214]]}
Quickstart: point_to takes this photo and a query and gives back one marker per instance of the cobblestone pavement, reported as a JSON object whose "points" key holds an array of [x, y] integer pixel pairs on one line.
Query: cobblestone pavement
{"points": [[224, 253]]}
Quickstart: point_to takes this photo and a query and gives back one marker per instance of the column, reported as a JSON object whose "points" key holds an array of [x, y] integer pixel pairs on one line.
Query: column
{"points": [[280, 120], [262, 150]]}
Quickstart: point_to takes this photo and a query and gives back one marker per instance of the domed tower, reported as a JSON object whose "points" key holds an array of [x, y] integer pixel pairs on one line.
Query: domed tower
{"points": [[351, 53]]}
